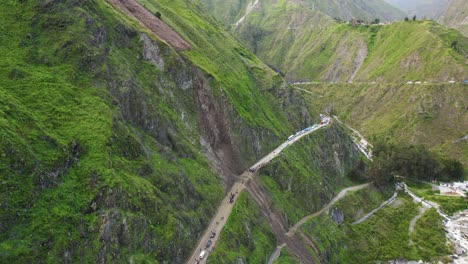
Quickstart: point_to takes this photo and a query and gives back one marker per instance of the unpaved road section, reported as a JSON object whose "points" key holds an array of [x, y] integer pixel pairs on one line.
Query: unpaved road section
{"points": [[150, 21], [413, 221], [225, 208]]}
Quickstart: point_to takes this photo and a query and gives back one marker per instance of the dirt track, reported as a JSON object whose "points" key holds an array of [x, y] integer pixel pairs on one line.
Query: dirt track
{"points": [[150, 21]]}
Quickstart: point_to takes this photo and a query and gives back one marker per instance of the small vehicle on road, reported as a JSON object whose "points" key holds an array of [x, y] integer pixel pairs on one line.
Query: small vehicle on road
{"points": [[202, 254], [213, 234], [208, 243]]}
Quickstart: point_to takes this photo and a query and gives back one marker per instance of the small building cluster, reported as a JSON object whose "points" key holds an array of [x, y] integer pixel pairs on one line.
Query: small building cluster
{"points": [[454, 188]]}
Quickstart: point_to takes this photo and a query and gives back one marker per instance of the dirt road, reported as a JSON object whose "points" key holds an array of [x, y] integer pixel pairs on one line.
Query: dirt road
{"points": [[225, 208]]}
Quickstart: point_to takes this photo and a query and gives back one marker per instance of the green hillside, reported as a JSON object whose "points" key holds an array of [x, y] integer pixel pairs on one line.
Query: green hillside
{"points": [[111, 141], [432, 115], [308, 45]]}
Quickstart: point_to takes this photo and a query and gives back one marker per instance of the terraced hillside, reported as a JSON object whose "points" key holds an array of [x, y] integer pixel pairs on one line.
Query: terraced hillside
{"points": [[308, 45]]}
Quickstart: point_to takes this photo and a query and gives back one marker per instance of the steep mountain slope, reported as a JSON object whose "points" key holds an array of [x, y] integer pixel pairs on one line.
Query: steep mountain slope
{"points": [[231, 11], [308, 45], [456, 16], [421, 8], [114, 146]]}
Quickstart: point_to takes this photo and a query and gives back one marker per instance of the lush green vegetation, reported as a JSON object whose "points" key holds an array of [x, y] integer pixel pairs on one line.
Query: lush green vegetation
{"points": [[328, 237], [246, 235], [429, 235], [448, 204], [100, 159], [358, 203], [411, 162], [385, 236]]}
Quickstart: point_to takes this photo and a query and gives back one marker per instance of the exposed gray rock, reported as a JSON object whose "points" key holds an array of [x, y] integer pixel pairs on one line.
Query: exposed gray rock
{"points": [[151, 52], [337, 216]]}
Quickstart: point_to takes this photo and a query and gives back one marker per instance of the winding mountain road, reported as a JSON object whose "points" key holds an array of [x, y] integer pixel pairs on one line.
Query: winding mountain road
{"points": [[225, 208]]}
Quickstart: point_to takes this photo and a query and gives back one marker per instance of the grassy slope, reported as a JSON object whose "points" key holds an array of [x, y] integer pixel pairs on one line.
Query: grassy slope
{"points": [[383, 236], [359, 203], [307, 45], [79, 178], [432, 115], [418, 50]]}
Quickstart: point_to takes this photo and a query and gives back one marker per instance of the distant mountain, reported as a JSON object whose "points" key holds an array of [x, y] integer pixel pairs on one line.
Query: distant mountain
{"points": [[230, 11], [421, 8], [309, 45], [456, 16]]}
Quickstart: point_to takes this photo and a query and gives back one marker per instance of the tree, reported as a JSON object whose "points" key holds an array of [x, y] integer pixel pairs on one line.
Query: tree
{"points": [[158, 14], [406, 19], [453, 170], [414, 18], [376, 21]]}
